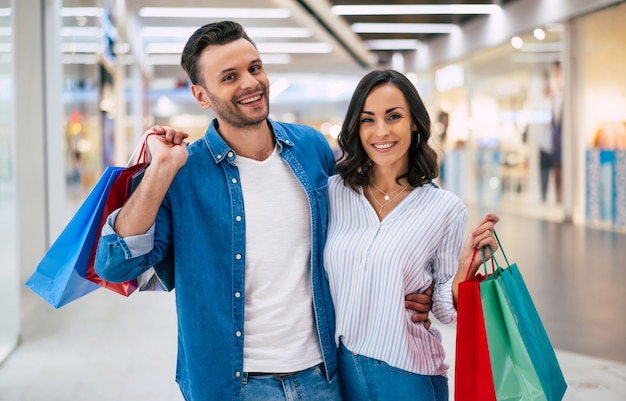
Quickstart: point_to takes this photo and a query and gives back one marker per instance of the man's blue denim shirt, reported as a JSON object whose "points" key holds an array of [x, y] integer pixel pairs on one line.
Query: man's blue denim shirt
{"points": [[203, 219]]}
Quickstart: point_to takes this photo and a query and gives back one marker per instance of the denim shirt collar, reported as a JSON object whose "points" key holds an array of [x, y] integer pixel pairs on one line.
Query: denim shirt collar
{"points": [[220, 151]]}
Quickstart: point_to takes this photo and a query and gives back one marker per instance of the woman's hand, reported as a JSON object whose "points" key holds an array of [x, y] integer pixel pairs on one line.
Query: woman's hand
{"points": [[481, 236]]}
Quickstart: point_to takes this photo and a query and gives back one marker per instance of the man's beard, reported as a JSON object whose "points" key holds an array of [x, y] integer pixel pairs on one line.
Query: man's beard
{"points": [[230, 114]]}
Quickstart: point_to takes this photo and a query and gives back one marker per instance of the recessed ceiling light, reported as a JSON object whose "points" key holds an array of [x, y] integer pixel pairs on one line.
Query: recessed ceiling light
{"points": [[253, 32], [410, 9], [209, 12], [392, 44], [361, 27], [517, 42], [539, 34]]}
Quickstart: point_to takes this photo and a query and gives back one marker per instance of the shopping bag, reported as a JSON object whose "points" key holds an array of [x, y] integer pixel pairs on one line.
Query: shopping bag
{"points": [[117, 196], [60, 276], [532, 331], [159, 277], [473, 379], [514, 376]]}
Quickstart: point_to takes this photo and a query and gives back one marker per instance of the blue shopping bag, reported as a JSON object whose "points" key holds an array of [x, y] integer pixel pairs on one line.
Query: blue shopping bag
{"points": [[60, 276]]}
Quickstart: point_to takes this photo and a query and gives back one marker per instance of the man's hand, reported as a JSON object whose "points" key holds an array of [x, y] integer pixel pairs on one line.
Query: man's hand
{"points": [[421, 304], [163, 146]]}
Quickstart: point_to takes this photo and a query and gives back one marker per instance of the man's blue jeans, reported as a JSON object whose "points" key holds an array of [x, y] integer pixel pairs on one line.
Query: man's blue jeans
{"points": [[307, 385], [366, 379]]}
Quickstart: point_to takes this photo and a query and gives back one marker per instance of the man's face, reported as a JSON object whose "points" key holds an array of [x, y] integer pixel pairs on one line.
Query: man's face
{"points": [[233, 84]]}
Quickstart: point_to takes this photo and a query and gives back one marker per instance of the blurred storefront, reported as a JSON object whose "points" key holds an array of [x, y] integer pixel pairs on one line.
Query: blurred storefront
{"points": [[537, 126], [599, 115]]}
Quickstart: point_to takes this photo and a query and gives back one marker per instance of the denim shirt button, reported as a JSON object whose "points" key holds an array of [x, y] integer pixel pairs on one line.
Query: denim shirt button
{"points": [[237, 374], [219, 157], [230, 154], [238, 218], [238, 256], [237, 294], [234, 180], [238, 334]]}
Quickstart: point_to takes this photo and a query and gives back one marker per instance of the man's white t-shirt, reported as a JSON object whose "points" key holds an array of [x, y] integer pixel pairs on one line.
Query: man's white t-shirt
{"points": [[279, 325]]}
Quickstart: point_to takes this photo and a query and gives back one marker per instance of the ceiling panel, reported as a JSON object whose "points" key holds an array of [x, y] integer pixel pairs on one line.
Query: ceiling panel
{"points": [[329, 44]]}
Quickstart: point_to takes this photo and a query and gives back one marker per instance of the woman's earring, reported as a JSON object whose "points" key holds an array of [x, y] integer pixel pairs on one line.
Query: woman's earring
{"points": [[417, 139]]}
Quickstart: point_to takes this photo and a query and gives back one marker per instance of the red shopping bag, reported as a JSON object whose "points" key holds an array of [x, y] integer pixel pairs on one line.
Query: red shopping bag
{"points": [[473, 380], [118, 194], [117, 197]]}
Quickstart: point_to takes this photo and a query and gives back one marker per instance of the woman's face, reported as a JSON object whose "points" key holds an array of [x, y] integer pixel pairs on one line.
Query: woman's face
{"points": [[385, 127]]}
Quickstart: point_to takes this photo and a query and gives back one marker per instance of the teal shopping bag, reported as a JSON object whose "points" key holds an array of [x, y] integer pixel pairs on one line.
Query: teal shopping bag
{"points": [[532, 331], [514, 376], [60, 277]]}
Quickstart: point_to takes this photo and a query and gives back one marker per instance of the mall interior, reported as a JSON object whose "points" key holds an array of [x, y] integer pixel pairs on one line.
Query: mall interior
{"points": [[528, 104]]}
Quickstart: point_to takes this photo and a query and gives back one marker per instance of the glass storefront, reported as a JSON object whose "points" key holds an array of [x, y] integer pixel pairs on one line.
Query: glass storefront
{"points": [[497, 117], [600, 114]]}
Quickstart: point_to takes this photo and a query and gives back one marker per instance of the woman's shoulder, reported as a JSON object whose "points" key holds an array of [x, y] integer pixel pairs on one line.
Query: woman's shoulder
{"points": [[443, 197]]}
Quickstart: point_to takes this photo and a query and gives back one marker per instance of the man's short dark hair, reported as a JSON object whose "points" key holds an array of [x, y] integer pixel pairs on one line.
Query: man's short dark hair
{"points": [[215, 33]]}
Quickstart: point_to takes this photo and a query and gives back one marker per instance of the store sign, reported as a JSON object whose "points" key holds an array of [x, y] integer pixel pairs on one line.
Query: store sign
{"points": [[449, 77]]}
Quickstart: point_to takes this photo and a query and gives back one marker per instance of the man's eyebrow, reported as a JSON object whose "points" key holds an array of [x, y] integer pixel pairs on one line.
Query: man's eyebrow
{"points": [[231, 69]]}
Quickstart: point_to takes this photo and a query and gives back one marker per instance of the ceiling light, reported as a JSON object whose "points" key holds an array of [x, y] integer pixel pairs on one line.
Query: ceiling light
{"points": [[517, 42], [174, 59], [543, 47], [392, 44], [82, 12], [296, 47], [410, 9], [208, 12], [80, 47], [360, 27], [539, 33], [82, 31], [254, 32]]}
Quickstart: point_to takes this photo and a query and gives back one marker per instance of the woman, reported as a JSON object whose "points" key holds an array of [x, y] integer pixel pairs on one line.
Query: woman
{"points": [[392, 232]]}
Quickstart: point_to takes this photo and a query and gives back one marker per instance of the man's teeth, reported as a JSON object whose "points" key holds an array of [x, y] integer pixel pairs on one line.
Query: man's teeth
{"points": [[384, 146], [250, 100]]}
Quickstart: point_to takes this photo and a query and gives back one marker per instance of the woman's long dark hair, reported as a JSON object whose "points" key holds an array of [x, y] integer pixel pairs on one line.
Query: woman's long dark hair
{"points": [[354, 163]]}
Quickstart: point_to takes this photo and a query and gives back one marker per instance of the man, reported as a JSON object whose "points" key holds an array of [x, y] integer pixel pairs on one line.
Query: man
{"points": [[244, 211]]}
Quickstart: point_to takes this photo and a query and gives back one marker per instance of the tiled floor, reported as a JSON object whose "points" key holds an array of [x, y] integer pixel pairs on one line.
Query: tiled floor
{"points": [[106, 347]]}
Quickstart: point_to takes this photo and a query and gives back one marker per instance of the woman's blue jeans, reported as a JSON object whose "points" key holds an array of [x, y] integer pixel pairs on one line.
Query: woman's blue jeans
{"points": [[307, 385], [366, 379]]}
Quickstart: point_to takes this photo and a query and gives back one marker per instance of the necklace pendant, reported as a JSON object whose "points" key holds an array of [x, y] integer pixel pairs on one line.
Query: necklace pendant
{"points": [[380, 211], [386, 197]]}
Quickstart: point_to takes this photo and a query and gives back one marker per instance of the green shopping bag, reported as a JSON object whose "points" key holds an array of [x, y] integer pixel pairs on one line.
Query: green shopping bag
{"points": [[514, 376], [532, 331]]}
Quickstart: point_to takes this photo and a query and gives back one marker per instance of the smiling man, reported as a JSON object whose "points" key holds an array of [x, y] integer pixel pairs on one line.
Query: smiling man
{"points": [[244, 210]]}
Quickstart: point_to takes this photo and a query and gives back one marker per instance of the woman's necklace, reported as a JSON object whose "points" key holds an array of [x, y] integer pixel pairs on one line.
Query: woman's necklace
{"points": [[387, 195], [389, 200]]}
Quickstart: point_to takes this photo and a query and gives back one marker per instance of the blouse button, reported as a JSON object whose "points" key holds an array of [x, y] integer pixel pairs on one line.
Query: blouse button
{"points": [[238, 218], [238, 256], [234, 180]]}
